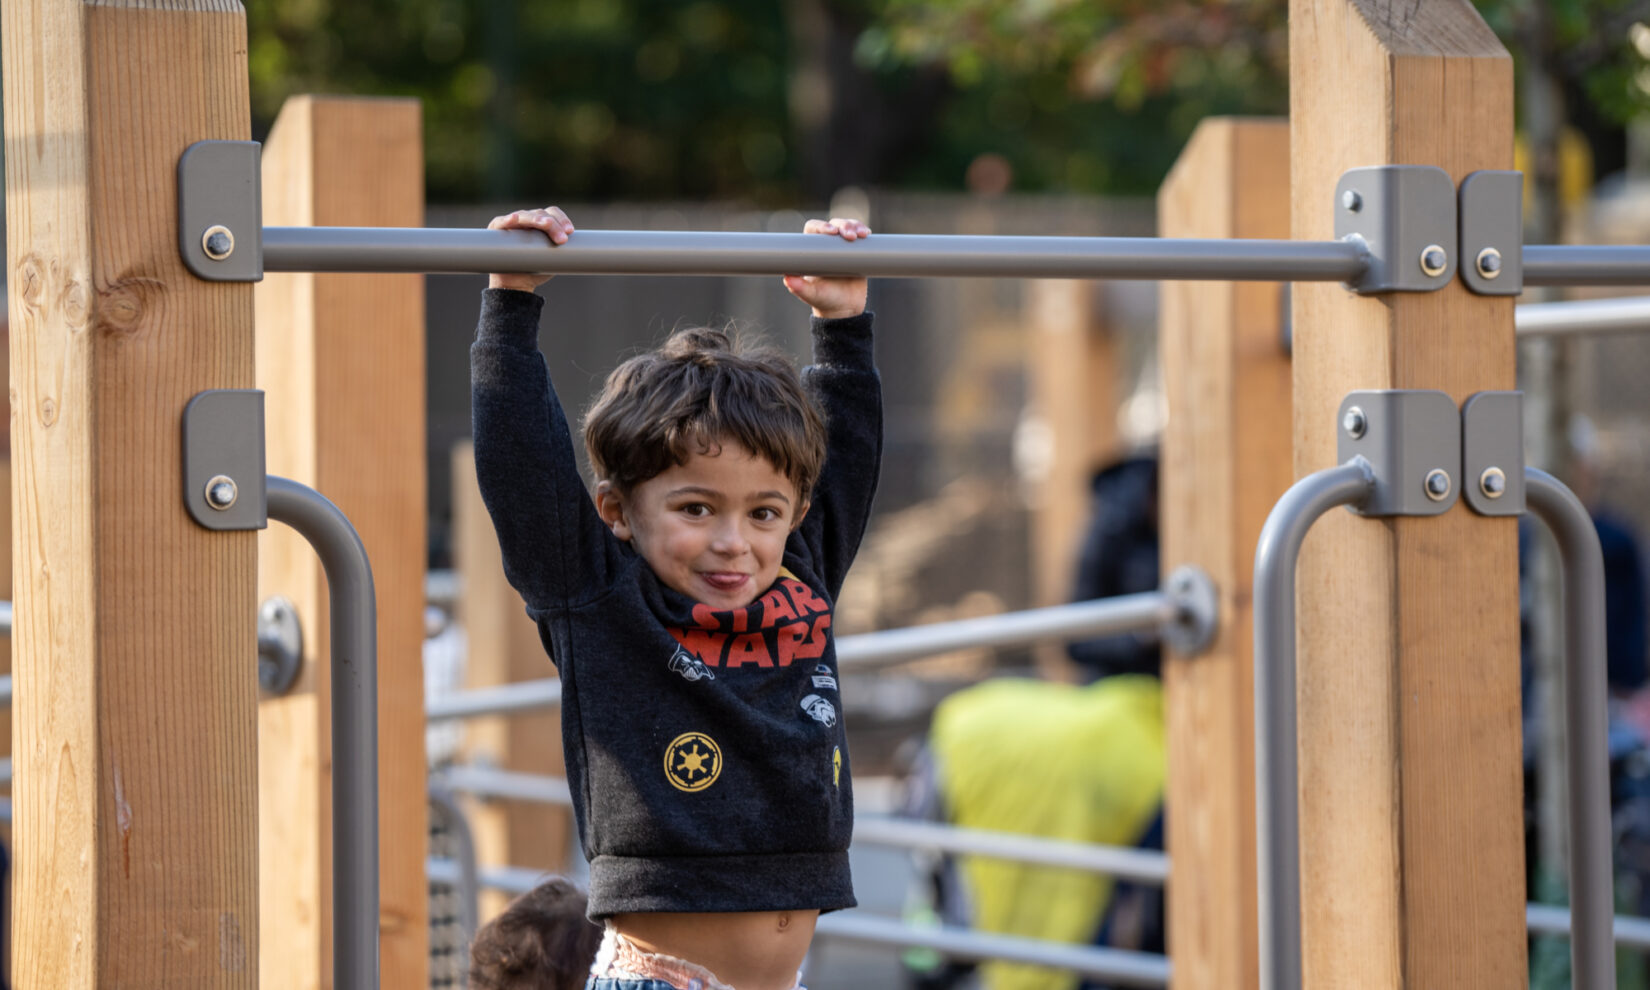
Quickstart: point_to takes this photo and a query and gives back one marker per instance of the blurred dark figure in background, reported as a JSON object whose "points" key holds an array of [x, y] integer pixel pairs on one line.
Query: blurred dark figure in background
{"points": [[1083, 763], [1119, 557]]}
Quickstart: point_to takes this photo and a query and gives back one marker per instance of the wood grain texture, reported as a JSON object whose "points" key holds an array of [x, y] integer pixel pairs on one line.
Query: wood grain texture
{"points": [[1226, 459], [503, 647], [341, 358], [135, 812], [1411, 820], [1073, 372]]}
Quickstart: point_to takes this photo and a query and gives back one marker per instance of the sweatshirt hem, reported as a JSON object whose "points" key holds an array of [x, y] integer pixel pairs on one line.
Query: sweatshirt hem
{"points": [[772, 882]]}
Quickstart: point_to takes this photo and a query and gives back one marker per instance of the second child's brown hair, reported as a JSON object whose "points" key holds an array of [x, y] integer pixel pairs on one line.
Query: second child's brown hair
{"points": [[695, 393]]}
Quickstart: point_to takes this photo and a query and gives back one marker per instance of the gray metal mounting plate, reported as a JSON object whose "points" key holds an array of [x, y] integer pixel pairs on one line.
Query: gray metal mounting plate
{"points": [[1492, 443], [220, 185], [1492, 220], [1407, 436], [1400, 212], [223, 438]]}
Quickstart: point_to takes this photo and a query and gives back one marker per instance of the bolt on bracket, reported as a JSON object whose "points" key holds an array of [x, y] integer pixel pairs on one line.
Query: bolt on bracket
{"points": [[1492, 453], [220, 210], [1412, 439], [1405, 217], [1492, 232], [223, 459]]}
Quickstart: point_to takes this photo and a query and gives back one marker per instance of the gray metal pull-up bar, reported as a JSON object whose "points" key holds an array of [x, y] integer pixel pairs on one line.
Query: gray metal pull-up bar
{"points": [[646, 252]]}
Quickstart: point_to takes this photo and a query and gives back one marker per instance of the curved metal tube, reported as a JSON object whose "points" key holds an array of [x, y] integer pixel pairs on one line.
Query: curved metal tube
{"points": [[1276, 774], [1592, 900], [354, 726]]}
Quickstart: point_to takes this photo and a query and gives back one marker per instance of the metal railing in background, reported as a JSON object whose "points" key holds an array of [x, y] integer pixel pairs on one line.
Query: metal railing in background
{"points": [[1183, 611], [1583, 317]]}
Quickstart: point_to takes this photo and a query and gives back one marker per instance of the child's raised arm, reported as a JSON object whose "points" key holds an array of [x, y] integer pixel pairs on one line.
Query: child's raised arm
{"points": [[555, 547], [844, 378]]}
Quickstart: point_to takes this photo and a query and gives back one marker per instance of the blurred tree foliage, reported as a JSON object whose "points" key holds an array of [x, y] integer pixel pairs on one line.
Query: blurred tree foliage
{"points": [[767, 102]]}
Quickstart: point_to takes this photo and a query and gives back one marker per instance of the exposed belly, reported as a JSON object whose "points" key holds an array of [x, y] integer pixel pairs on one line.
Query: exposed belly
{"points": [[754, 950]]}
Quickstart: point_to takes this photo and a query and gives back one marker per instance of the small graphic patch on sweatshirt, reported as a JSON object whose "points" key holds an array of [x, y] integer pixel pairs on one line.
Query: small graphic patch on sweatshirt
{"points": [[690, 667], [693, 761], [820, 710]]}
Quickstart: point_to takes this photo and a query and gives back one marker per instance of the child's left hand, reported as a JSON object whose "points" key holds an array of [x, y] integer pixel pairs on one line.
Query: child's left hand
{"points": [[832, 298]]}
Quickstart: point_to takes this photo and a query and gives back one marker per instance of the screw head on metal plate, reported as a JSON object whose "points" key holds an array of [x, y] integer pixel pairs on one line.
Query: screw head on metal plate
{"points": [[1493, 482], [1354, 423], [1434, 260], [1489, 262], [1438, 484], [218, 242], [1352, 201], [221, 492]]}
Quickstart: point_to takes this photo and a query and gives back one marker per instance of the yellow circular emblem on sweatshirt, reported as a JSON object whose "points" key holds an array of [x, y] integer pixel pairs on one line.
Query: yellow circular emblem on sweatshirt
{"points": [[693, 761]]}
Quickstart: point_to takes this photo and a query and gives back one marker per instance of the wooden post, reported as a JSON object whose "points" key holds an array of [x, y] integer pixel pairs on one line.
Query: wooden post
{"points": [[1411, 811], [341, 359], [502, 647], [135, 811], [1074, 389], [1225, 461]]}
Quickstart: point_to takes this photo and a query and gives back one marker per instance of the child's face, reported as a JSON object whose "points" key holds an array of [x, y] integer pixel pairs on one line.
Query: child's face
{"points": [[713, 528]]}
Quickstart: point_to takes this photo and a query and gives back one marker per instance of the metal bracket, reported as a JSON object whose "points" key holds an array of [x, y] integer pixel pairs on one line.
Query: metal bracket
{"points": [[223, 459], [1492, 453], [220, 211], [1492, 233], [280, 645], [1405, 215], [1412, 438], [1197, 611]]}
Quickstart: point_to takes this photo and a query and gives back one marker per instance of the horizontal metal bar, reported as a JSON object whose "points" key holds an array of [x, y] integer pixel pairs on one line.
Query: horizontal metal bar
{"points": [[1130, 864], [5, 689], [506, 699], [1587, 264], [1545, 919], [1140, 865], [509, 879], [1583, 316], [1113, 966], [1100, 617], [5, 618], [650, 252], [507, 784]]}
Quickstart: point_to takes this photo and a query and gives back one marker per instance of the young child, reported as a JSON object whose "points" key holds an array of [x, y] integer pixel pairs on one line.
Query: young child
{"points": [[688, 611], [542, 941]]}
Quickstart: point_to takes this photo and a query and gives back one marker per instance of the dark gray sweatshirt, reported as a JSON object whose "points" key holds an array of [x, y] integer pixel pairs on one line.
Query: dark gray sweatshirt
{"points": [[705, 747]]}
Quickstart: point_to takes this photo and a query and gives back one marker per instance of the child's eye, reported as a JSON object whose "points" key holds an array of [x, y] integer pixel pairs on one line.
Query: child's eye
{"points": [[765, 514], [695, 509]]}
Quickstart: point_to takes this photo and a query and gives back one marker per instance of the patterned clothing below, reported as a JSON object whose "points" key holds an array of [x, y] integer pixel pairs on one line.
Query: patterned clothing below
{"points": [[622, 965]]}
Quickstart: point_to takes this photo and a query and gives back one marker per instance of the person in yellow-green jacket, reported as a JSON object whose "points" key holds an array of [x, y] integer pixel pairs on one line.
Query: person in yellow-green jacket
{"points": [[1083, 763]]}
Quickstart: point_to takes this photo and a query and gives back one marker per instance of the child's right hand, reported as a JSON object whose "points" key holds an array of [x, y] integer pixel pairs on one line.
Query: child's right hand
{"points": [[555, 225]]}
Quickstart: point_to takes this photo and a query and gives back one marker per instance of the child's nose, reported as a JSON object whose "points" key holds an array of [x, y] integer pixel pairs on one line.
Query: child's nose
{"points": [[730, 540]]}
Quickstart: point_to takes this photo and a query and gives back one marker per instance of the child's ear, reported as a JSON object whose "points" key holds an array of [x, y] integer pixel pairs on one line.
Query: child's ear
{"points": [[801, 514], [611, 508]]}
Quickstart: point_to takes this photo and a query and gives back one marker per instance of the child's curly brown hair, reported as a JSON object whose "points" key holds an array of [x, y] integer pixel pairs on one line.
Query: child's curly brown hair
{"points": [[695, 392], [542, 941]]}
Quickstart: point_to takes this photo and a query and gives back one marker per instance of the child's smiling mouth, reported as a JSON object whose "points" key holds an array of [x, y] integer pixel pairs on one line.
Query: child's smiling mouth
{"points": [[724, 580]]}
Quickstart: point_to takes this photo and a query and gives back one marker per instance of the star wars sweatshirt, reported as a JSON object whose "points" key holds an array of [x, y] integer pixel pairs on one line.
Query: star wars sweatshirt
{"points": [[704, 747]]}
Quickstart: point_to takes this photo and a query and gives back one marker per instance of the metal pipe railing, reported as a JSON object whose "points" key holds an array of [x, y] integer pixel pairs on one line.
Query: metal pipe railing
{"points": [[1586, 715], [1113, 967], [1586, 264], [354, 725], [1580, 317], [1545, 919], [1102, 617], [506, 699], [1277, 875], [649, 252], [1142, 866]]}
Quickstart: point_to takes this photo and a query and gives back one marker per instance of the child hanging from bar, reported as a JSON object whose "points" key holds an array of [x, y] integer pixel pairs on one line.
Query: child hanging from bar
{"points": [[687, 607]]}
